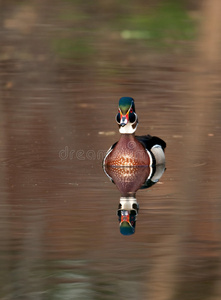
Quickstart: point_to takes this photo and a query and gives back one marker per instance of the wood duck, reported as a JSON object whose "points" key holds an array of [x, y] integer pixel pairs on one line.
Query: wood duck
{"points": [[133, 150]]}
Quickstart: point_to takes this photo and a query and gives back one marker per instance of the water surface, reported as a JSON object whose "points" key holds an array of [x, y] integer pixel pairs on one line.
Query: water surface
{"points": [[60, 235]]}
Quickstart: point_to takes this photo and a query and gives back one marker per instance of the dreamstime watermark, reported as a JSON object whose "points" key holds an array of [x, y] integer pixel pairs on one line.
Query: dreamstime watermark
{"points": [[129, 152], [81, 154]]}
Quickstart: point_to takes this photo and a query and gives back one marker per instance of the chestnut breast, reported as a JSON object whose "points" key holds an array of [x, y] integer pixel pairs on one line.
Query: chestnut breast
{"points": [[128, 152]]}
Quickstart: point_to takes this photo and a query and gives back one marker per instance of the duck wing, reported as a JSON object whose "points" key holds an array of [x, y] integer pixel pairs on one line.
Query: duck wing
{"points": [[149, 141]]}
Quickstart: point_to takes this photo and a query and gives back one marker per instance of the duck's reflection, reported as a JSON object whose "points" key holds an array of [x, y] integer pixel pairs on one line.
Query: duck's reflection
{"points": [[127, 214], [128, 180]]}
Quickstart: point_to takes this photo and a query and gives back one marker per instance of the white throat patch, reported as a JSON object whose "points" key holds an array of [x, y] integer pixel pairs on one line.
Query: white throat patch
{"points": [[128, 129]]}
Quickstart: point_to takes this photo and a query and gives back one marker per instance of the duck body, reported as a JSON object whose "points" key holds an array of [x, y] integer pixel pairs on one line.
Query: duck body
{"points": [[133, 150], [127, 152]]}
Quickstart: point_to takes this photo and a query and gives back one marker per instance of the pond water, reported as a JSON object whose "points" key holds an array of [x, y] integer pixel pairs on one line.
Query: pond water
{"points": [[59, 229]]}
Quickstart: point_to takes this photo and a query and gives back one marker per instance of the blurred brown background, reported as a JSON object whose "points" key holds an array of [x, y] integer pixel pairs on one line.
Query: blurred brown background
{"points": [[63, 67]]}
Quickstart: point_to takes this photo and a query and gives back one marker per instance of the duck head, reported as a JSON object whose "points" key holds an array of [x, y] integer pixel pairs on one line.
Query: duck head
{"points": [[127, 117]]}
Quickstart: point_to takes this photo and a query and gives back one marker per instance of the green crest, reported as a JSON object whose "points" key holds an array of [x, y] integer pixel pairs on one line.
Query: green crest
{"points": [[125, 103]]}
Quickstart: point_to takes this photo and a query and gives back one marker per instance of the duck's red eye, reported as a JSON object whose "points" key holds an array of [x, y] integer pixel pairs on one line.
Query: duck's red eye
{"points": [[131, 110]]}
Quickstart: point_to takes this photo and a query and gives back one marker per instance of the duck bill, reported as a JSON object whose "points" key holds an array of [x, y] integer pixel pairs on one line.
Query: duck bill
{"points": [[125, 218], [124, 120]]}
